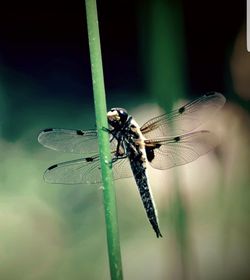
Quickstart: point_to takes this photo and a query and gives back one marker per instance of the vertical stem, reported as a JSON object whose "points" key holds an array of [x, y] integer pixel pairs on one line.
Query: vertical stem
{"points": [[103, 140]]}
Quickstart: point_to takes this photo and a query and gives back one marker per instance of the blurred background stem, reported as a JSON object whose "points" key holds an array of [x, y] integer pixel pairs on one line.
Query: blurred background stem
{"points": [[165, 75], [103, 139]]}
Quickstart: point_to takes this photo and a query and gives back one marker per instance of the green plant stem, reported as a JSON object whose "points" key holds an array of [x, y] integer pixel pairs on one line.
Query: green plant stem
{"points": [[103, 140]]}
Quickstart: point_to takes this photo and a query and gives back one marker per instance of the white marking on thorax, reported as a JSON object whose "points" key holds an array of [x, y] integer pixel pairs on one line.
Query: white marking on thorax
{"points": [[136, 129], [140, 141]]}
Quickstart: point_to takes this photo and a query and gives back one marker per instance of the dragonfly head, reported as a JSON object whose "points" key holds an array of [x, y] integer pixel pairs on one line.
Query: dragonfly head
{"points": [[117, 117]]}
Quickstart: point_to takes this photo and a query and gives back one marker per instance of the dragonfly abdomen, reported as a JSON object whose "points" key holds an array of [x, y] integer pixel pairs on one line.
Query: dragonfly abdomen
{"points": [[140, 176]]}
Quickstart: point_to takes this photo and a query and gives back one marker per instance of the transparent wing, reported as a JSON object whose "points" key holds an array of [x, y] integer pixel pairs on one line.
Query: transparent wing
{"points": [[169, 152], [184, 119], [121, 169], [84, 171], [70, 140]]}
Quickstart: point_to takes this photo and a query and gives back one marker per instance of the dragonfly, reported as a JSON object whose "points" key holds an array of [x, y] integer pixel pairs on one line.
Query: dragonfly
{"points": [[165, 141]]}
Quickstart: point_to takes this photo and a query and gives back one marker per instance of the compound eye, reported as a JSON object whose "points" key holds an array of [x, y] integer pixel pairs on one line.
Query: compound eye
{"points": [[122, 112]]}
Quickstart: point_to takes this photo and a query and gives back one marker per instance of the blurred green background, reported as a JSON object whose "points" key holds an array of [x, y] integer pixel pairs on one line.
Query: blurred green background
{"points": [[156, 54]]}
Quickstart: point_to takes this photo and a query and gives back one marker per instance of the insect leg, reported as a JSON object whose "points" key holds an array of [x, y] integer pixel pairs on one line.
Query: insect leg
{"points": [[107, 129]]}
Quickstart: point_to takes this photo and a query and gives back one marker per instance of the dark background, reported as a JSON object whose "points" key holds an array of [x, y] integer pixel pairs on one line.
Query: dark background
{"points": [[47, 42], [44, 58]]}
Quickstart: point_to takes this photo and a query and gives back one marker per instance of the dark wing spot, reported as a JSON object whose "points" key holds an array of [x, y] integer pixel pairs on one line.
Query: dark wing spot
{"points": [[150, 152], [182, 109], [89, 159], [53, 166], [79, 132], [177, 139], [48, 129]]}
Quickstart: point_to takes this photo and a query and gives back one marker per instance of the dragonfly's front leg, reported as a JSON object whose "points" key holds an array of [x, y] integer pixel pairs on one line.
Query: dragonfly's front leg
{"points": [[109, 131], [119, 154]]}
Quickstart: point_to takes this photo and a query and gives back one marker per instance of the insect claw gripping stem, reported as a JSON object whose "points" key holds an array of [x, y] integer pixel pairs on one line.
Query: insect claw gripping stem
{"points": [[106, 129], [110, 163]]}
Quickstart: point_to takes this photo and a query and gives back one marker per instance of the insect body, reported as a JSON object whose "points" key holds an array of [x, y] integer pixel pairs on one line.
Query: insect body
{"points": [[128, 135], [165, 141]]}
